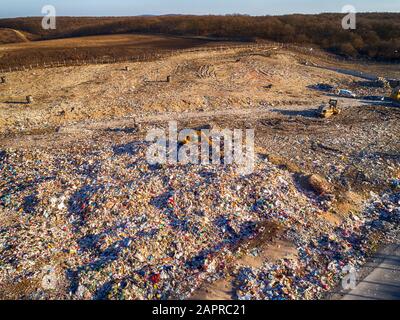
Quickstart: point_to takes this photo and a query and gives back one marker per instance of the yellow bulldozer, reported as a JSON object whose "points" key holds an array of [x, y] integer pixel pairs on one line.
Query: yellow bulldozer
{"points": [[396, 94], [200, 136], [330, 110]]}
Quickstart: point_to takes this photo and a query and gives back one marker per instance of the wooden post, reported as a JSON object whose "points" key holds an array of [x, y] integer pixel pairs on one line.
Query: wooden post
{"points": [[29, 99], [169, 79]]}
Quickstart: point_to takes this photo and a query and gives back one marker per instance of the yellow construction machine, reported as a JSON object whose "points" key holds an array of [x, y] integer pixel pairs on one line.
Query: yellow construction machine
{"points": [[200, 136], [330, 110], [396, 94]]}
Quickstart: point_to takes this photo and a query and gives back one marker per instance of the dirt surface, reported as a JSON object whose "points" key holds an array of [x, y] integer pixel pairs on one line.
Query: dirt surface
{"points": [[81, 135], [26, 53], [200, 82]]}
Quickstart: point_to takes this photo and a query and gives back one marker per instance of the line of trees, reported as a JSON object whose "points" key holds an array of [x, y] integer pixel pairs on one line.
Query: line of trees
{"points": [[377, 35]]}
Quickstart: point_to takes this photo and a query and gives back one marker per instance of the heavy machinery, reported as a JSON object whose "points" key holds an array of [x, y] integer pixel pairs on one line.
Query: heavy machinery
{"points": [[330, 110], [200, 135], [396, 94], [203, 138]]}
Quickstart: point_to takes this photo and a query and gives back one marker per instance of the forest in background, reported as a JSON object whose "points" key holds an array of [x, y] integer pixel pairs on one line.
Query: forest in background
{"points": [[377, 35]]}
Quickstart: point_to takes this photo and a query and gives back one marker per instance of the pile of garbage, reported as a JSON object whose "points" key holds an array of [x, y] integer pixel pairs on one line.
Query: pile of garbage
{"points": [[324, 259], [96, 221]]}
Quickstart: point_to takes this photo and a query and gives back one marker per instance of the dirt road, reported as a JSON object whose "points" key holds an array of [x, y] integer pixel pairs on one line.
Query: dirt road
{"points": [[248, 114]]}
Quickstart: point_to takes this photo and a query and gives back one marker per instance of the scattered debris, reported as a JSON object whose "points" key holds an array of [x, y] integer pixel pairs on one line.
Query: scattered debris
{"points": [[384, 83], [128, 230], [111, 226]]}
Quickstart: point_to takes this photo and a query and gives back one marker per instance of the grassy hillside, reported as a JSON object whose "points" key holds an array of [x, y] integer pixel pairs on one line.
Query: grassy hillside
{"points": [[13, 36], [377, 35]]}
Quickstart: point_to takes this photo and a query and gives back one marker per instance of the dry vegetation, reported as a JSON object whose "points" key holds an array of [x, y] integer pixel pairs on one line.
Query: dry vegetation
{"points": [[377, 35], [12, 36]]}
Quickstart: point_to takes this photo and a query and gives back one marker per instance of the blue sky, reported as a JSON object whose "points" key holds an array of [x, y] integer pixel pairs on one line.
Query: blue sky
{"points": [[21, 8]]}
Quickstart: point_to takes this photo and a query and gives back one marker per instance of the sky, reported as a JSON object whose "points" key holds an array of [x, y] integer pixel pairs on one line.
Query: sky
{"points": [[22, 8]]}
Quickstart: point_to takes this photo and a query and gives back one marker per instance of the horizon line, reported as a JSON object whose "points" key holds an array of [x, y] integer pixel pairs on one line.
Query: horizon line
{"points": [[202, 15]]}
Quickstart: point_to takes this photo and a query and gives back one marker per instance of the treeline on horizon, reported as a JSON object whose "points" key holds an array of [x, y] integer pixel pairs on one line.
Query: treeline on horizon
{"points": [[377, 35]]}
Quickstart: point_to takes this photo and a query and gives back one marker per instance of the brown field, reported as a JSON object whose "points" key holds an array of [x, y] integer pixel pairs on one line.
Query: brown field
{"points": [[92, 47], [12, 36]]}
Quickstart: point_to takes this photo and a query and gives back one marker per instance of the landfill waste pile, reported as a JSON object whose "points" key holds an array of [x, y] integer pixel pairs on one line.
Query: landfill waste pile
{"points": [[93, 220], [325, 257], [83, 215]]}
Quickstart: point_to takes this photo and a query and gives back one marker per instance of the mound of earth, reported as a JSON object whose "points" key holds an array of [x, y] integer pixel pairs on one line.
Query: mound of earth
{"points": [[12, 36]]}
